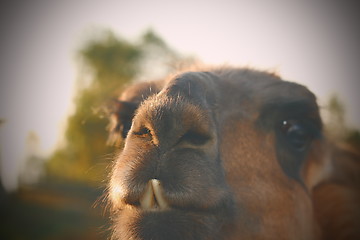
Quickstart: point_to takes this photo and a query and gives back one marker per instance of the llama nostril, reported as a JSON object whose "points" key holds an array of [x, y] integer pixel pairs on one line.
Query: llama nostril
{"points": [[153, 197]]}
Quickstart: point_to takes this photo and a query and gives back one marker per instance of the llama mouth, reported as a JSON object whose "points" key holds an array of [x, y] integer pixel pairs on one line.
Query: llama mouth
{"points": [[153, 197]]}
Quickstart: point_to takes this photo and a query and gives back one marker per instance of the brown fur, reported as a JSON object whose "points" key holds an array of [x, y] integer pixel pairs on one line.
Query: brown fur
{"points": [[337, 198], [230, 168]]}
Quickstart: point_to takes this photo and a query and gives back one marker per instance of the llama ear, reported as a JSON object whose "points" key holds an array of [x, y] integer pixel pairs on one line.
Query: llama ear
{"points": [[114, 106], [121, 114], [125, 109]]}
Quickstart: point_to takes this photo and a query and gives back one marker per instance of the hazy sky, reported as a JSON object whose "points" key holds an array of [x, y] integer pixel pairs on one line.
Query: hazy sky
{"points": [[312, 42]]}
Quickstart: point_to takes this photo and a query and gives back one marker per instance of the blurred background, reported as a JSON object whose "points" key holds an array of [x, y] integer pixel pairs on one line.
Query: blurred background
{"points": [[61, 61]]}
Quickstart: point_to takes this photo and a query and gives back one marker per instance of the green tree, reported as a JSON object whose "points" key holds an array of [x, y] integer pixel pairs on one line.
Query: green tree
{"points": [[335, 124], [107, 63], [335, 118]]}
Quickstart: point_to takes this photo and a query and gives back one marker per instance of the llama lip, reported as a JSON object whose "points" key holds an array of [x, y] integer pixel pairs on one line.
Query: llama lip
{"points": [[153, 197]]}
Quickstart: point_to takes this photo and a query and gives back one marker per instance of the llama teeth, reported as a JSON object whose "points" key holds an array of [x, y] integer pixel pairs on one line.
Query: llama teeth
{"points": [[159, 194], [147, 200], [153, 197]]}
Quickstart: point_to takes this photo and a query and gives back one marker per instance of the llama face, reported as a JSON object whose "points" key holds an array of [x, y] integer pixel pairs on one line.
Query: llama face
{"points": [[227, 154]]}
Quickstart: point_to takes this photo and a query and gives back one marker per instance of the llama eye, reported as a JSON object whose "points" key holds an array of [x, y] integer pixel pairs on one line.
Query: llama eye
{"points": [[194, 138], [143, 132], [296, 133]]}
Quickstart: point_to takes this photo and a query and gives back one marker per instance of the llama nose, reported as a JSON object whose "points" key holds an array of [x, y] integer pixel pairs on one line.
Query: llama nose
{"points": [[153, 197]]}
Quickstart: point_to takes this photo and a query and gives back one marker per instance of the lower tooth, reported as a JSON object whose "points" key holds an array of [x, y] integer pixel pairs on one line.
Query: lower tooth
{"points": [[159, 194], [147, 200]]}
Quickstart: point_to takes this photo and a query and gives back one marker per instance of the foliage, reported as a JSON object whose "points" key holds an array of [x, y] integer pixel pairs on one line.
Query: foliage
{"points": [[335, 124], [111, 63]]}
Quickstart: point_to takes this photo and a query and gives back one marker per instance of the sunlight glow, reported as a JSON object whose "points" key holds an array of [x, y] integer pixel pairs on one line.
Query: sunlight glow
{"points": [[303, 41]]}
